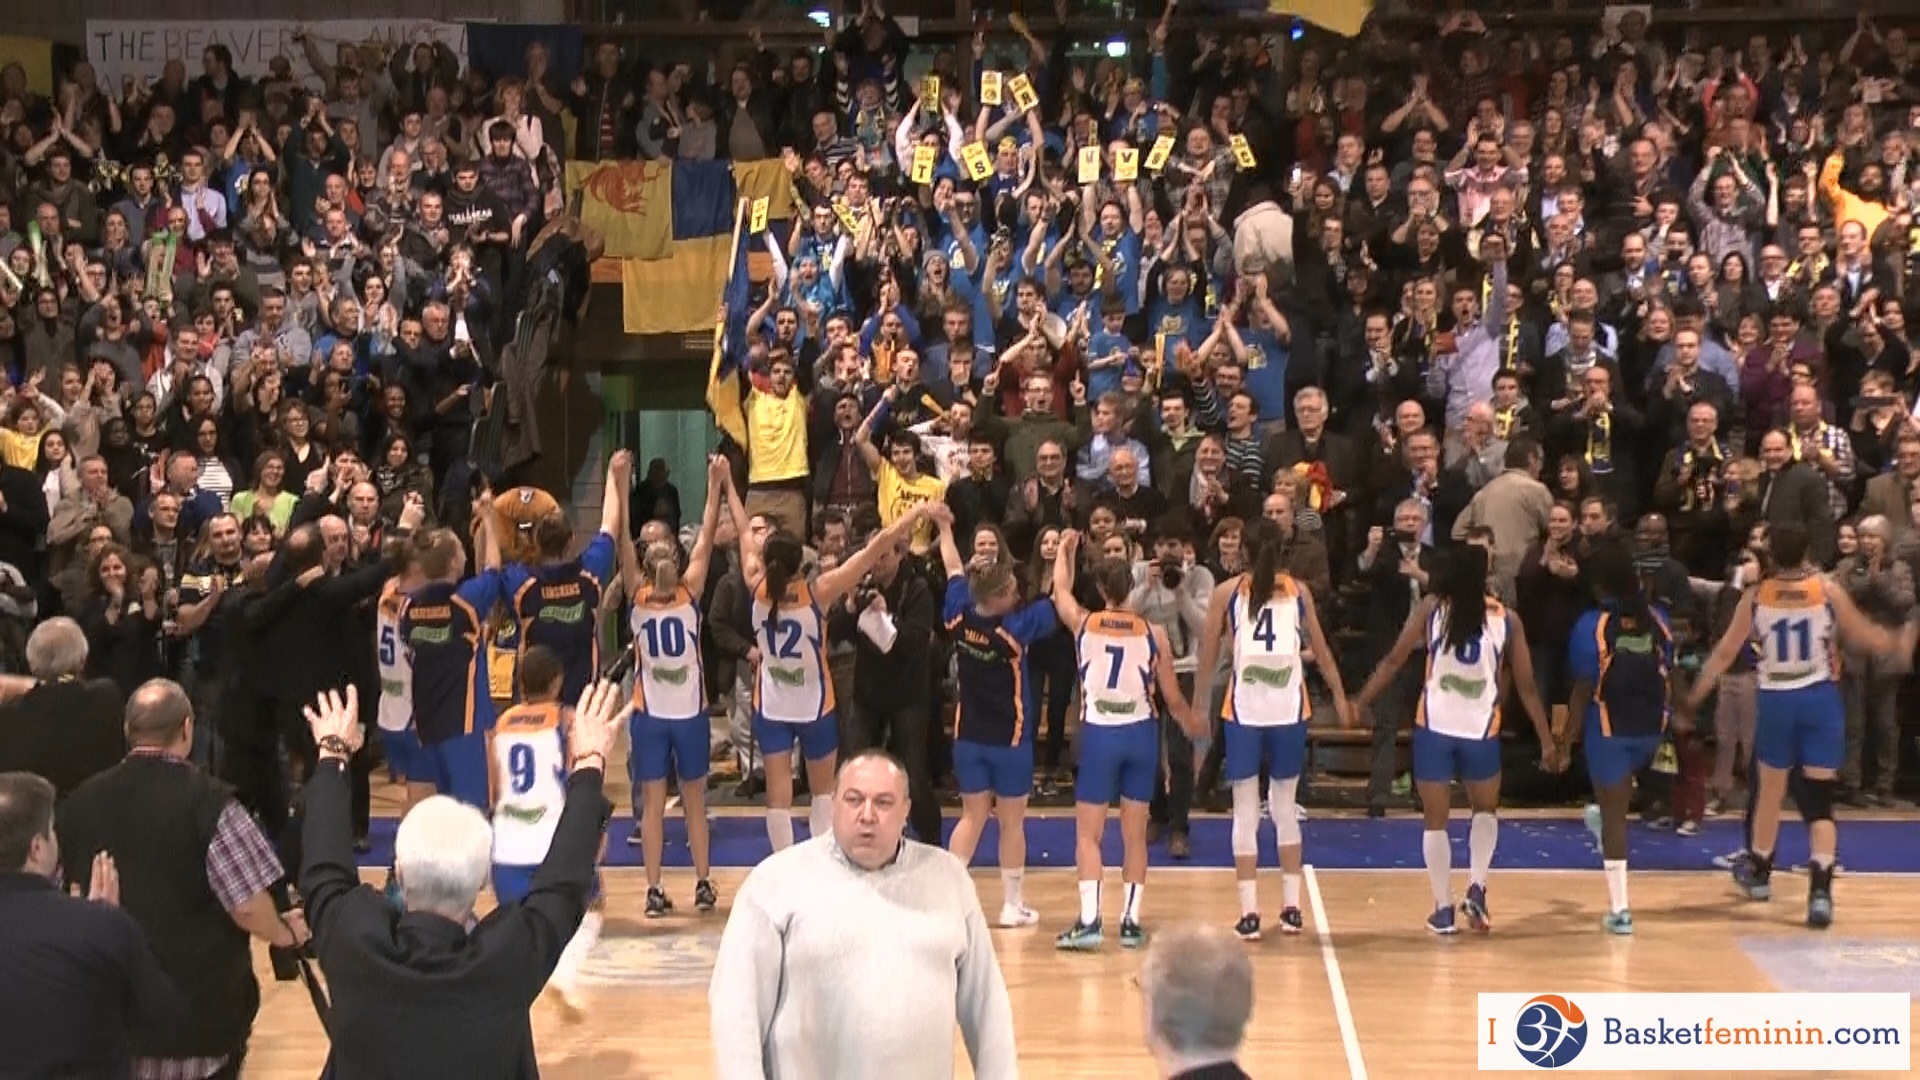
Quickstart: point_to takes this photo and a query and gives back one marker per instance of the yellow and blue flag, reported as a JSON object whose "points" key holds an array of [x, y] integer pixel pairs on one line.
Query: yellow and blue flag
{"points": [[726, 376]]}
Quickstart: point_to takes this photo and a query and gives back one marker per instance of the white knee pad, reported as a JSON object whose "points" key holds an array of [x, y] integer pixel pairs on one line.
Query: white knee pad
{"points": [[1246, 817], [1280, 803]]}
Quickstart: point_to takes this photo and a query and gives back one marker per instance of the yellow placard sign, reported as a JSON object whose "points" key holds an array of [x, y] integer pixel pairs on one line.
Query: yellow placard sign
{"points": [[930, 92], [923, 159], [1242, 153], [974, 157], [990, 83], [1162, 150], [1089, 164], [1126, 165], [1025, 97], [757, 215]]}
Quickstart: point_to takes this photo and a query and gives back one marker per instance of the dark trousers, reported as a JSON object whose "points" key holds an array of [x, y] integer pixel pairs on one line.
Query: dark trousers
{"points": [[907, 733], [1173, 795], [250, 761], [1392, 712], [1051, 665]]}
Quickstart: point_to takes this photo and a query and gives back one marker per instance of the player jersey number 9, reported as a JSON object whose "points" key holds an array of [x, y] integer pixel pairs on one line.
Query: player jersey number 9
{"points": [[520, 768]]}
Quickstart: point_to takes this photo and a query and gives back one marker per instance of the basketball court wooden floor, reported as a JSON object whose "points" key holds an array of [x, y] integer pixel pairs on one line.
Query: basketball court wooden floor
{"points": [[1366, 991]]}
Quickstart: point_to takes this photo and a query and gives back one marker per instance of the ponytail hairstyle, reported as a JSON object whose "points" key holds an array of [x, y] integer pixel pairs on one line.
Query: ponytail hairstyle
{"points": [[1460, 581], [436, 553], [661, 561], [1610, 566], [1113, 579], [993, 582], [781, 558], [1263, 548]]}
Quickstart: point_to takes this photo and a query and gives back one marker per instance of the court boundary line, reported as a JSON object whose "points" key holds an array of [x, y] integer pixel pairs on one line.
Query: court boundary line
{"points": [[1342, 1008], [614, 868]]}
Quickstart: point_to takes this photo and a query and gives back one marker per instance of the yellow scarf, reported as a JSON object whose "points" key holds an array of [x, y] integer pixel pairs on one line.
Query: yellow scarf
{"points": [[1821, 440], [1600, 443]]}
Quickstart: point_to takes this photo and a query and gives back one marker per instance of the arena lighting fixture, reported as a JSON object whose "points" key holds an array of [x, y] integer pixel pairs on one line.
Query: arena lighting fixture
{"points": [[822, 18], [1117, 48]]}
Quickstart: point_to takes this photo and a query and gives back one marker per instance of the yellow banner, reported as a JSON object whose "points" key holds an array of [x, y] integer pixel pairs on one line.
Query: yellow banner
{"points": [[765, 180], [34, 56], [1343, 17], [630, 203], [678, 294]]}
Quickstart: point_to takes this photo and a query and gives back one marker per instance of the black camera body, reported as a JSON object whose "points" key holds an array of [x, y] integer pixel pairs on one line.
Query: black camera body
{"points": [[1172, 572]]}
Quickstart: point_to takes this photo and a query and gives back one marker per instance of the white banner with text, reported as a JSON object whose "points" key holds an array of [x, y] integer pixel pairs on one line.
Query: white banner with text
{"points": [[120, 47]]}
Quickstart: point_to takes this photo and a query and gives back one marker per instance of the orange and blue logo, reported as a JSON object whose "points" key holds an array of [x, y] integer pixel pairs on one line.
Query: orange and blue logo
{"points": [[1550, 1031]]}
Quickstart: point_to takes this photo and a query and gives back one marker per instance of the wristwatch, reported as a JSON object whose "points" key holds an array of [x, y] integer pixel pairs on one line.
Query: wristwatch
{"points": [[334, 744]]}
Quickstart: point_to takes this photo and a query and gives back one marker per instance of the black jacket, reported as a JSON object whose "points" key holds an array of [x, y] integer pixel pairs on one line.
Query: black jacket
{"points": [[157, 816], [418, 994], [66, 731], [75, 978], [897, 678]]}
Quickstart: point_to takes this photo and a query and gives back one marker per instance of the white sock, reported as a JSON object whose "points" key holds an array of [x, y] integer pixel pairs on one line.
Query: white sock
{"points": [[567, 970], [1616, 871], [1131, 912], [1289, 890], [1249, 897], [780, 828], [820, 817], [1010, 887], [1089, 903], [1481, 840], [1439, 857]]}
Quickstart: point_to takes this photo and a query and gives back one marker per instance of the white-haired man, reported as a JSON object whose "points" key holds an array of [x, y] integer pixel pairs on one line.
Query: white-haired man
{"points": [[62, 725], [856, 953], [435, 992], [1197, 989]]}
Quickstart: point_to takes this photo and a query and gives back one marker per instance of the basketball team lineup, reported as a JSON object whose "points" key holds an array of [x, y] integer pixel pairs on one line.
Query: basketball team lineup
{"points": [[1373, 935]]}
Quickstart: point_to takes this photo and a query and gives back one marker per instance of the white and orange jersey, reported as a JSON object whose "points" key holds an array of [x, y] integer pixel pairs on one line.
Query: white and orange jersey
{"points": [[1462, 695], [1266, 685], [792, 687], [668, 680], [1793, 633], [1117, 655], [395, 662], [527, 752]]}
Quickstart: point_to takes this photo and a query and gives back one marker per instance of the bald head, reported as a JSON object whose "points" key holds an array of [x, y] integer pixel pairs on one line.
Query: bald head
{"points": [[158, 715]]}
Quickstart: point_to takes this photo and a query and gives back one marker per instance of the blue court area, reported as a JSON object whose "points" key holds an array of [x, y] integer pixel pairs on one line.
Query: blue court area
{"points": [[1346, 843]]}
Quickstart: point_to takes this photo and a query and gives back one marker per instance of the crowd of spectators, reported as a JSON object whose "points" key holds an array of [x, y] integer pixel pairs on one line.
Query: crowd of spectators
{"points": [[1390, 292]]}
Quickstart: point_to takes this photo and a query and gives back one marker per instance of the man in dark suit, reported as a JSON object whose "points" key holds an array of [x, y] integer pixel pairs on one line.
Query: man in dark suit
{"points": [[1791, 490], [1308, 443], [75, 975], [432, 992], [1394, 568], [1198, 986], [61, 726]]}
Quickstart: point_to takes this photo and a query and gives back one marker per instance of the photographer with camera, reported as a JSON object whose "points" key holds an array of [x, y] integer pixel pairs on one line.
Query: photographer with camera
{"points": [[1171, 590], [196, 874], [890, 619]]}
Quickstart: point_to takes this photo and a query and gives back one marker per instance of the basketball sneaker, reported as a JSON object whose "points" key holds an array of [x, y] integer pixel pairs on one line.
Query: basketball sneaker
{"points": [[1618, 922], [1754, 876], [1593, 820], [657, 902], [1014, 916], [1441, 921], [1131, 936], [1475, 906], [1820, 897], [1291, 922], [1730, 859], [704, 896], [633, 835], [1248, 927], [1081, 938]]}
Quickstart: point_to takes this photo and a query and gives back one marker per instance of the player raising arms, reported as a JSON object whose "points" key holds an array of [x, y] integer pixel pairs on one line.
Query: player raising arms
{"points": [[1472, 643], [443, 628], [1793, 618], [1122, 658], [668, 726], [556, 600], [992, 629], [1265, 617], [1621, 663], [792, 696]]}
